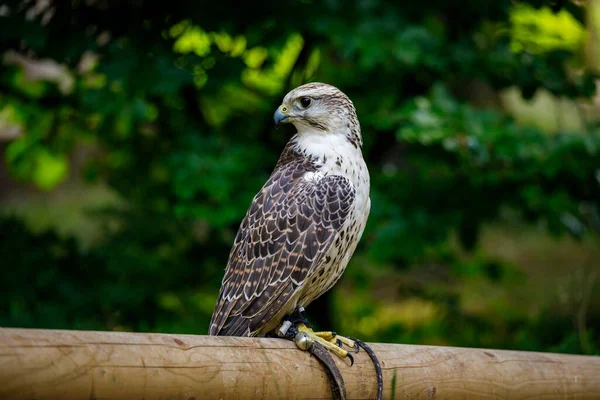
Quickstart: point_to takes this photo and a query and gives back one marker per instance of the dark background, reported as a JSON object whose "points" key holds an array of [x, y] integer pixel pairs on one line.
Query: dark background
{"points": [[134, 135]]}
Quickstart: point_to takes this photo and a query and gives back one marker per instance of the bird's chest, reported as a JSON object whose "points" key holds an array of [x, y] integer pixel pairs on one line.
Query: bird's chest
{"points": [[332, 266]]}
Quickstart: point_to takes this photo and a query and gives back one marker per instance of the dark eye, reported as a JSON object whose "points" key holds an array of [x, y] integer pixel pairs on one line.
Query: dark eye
{"points": [[305, 102]]}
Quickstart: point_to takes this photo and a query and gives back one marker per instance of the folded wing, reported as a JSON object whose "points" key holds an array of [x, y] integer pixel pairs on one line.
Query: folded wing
{"points": [[288, 229]]}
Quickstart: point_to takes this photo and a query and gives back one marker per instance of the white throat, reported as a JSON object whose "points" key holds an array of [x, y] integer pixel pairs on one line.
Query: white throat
{"points": [[319, 144], [334, 154]]}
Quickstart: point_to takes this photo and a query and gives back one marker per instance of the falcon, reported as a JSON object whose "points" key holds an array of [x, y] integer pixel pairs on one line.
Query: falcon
{"points": [[303, 226]]}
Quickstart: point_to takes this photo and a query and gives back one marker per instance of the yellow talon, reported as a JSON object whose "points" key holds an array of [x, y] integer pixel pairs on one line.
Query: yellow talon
{"points": [[335, 338], [348, 342], [326, 335], [329, 340]]}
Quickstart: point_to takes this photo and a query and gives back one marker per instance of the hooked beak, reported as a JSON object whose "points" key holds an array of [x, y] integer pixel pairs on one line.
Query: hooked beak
{"points": [[280, 116]]}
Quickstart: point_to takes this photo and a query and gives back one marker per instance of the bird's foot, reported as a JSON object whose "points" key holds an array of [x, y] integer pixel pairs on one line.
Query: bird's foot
{"points": [[296, 327], [338, 340], [329, 340]]}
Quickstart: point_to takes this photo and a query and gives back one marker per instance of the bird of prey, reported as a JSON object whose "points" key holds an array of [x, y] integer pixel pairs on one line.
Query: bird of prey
{"points": [[303, 225]]}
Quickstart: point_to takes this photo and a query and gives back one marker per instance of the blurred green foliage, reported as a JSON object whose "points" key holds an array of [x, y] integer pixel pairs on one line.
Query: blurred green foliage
{"points": [[177, 98]]}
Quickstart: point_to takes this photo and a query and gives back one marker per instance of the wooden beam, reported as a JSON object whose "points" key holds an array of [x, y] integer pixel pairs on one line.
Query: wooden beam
{"points": [[54, 364]]}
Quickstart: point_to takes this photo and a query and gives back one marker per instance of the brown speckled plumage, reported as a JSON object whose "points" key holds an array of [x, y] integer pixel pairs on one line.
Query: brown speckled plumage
{"points": [[303, 226]]}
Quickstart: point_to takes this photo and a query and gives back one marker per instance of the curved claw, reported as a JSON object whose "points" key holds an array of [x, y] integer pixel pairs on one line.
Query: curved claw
{"points": [[351, 359], [339, 343]]}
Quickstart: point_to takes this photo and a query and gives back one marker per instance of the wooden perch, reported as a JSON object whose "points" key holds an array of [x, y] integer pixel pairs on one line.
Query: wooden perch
{"points": [[53, 364]]}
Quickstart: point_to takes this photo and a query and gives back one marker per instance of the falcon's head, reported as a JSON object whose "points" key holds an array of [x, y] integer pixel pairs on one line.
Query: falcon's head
{"points": [[319, 108]]}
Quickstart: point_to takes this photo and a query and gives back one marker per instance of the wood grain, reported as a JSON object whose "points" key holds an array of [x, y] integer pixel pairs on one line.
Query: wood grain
{"points": [[54, 364]]}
